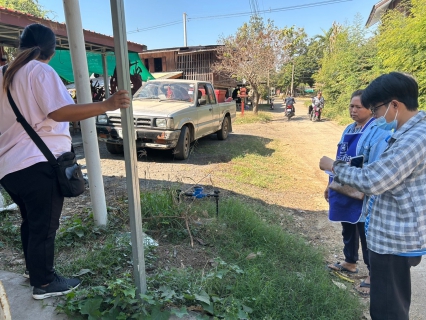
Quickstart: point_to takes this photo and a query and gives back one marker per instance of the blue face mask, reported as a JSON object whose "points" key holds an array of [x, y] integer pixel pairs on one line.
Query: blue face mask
{"points": [[383, 124]]}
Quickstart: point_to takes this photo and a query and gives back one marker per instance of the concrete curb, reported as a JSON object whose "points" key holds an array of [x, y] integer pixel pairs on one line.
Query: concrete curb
{"points": [[22, 304]]}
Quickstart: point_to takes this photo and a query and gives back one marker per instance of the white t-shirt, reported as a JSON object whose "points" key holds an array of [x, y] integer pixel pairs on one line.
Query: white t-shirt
{"points": [[37, 91]]}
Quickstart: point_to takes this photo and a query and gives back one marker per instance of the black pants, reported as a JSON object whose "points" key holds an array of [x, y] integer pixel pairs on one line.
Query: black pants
{"points": [[352, 234], [36, 191], [390, 294]]}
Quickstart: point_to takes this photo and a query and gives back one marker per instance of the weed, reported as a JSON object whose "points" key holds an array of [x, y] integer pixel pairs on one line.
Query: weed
{"points": [[260, 272], [9, 230]]}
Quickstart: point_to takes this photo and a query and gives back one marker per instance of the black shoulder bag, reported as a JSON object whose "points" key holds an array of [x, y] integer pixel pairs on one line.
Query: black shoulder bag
{"points": [[70, 177]]}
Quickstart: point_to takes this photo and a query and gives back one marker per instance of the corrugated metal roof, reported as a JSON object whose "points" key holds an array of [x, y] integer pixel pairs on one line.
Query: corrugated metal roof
{"points": [[13, 22]]}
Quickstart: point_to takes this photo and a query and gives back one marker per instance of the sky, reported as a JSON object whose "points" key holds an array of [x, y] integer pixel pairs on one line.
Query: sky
{"points": [[159, 24]]}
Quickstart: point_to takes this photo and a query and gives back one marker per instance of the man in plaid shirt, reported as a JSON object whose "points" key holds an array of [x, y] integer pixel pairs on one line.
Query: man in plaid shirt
{"points": [[397, 226]]}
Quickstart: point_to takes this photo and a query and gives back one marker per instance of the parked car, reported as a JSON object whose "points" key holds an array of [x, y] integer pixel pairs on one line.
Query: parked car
{"points": [[170, 114]]}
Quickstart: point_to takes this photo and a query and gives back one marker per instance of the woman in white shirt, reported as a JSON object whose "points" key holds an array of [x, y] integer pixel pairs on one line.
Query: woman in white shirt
{"points": [[25, 174]]}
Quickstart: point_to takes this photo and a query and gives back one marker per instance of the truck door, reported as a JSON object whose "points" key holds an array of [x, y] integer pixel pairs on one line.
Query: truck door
{"points": [[216, 117], [204, 112]]}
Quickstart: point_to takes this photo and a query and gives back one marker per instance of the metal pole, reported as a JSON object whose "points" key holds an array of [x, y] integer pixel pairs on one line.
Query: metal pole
{"points": [[105, 68], [185, 43], [292, 81], [123, 78], [88, 126]]}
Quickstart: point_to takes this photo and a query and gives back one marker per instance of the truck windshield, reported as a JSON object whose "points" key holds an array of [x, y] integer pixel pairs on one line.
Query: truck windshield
{"points": [[164, 90]]}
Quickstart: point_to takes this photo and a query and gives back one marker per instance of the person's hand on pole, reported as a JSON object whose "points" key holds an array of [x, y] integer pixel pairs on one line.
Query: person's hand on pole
{"points": [[119, 100]]}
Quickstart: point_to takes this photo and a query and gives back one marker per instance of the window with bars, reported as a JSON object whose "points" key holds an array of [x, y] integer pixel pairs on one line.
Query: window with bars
{"points": [[196, 66]]}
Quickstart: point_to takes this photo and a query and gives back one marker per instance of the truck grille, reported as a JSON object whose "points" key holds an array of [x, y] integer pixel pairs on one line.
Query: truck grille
{"points": [[138, 122]]}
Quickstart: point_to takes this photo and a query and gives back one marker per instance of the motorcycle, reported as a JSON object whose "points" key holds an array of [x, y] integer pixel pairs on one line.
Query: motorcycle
{"points": [[316, 113], [289, 111]]}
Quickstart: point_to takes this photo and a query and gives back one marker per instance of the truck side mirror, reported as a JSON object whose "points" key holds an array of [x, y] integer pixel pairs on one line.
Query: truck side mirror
{"points": [[202, 102]]}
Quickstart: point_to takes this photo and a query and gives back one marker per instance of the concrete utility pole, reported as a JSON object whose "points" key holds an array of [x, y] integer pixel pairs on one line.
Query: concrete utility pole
{"points": [[185, 43], [88, 126], [123, 78], [292, 81]]}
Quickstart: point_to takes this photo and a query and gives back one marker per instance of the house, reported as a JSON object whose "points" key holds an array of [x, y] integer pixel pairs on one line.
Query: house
{"points": [[381, 8], [189, 63]]}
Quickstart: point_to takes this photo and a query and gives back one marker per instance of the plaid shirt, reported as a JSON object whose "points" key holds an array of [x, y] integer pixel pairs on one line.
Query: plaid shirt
{"points": [[398, 216]]}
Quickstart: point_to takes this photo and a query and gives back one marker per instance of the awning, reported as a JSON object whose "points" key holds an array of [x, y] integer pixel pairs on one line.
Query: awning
{"points": [[376, 13], [61, 62], [167, 75]]}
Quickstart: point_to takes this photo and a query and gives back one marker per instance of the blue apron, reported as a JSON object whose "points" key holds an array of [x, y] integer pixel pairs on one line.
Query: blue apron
{"points": [[344, 208]]}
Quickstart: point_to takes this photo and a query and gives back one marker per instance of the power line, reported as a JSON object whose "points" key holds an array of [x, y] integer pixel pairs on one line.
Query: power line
{"points": [[168, 24], [255, 11], [302, 6]]}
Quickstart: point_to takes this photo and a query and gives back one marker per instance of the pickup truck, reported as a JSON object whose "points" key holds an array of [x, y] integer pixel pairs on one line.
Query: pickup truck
{"points": [[170, 114]]}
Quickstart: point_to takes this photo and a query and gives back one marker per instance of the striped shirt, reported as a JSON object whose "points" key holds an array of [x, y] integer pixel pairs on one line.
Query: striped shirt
{"points": [[397, 221]]}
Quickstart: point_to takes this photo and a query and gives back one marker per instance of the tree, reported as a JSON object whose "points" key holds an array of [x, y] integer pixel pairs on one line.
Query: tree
{"points": [[349, 63], [402, 45], [26, 6], [253, 53]]}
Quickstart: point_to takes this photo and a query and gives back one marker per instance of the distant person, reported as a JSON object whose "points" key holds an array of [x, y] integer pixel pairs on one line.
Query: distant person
{"points": [[25, 174], [396, 224], [289, 101], [317, 101]]}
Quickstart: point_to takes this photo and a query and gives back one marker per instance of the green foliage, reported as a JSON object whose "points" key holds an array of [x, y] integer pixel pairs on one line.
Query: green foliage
{"points": [[402, 44], [349, 63], [26, 6], [9, 230], [284, 279]]}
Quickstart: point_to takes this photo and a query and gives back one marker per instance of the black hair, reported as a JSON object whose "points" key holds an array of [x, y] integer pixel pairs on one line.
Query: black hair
{"points": [[36, 42], [358, 93], [392, 86]]}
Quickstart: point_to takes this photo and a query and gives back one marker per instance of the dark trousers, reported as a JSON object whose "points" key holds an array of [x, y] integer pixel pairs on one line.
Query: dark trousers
{"points": [[390, 294], [352, 234], [36, 191]]}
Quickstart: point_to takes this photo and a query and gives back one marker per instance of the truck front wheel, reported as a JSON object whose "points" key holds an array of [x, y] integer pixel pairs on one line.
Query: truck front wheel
{"points": [[114, 148], [222, 134], [183, 145]]}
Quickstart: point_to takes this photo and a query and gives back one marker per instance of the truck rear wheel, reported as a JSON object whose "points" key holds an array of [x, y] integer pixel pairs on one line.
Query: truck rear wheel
{"points": [[184, 144], [114, 148], [222, 134]]}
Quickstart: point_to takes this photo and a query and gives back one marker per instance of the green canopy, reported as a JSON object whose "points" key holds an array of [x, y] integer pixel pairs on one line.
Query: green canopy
{"points": [[61, 62]]}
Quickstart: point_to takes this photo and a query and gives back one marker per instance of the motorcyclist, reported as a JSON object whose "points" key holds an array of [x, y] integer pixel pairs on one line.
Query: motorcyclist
{"points": [[290, 101], [317, 101]]}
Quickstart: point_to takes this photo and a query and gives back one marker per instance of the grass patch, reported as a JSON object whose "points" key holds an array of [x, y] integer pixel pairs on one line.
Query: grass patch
{"points": [[254, 161], [250, 117], [284, 279]]}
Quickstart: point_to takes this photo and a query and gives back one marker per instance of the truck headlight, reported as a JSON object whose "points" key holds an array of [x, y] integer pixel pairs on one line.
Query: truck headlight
{"points": [[102, 119], [161, 123]]}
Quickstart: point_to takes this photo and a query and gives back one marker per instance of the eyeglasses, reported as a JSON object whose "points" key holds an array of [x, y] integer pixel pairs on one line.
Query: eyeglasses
{"points": [[374, 110]]}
